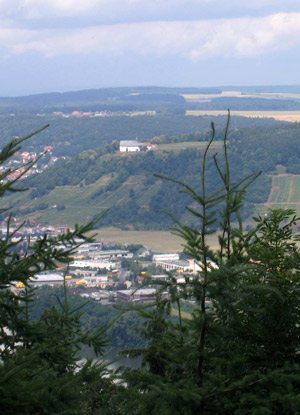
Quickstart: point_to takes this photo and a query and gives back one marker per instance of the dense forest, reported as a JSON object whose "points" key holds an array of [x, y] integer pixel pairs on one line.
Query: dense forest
{"points": [[71, 136]]}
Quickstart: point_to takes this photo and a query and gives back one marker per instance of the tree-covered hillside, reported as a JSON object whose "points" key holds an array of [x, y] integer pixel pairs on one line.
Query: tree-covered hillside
{"points": [[160, 99], [70, 136], [103, 178]]}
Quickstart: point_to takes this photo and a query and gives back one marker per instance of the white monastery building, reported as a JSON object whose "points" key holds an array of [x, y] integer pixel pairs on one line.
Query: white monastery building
{"points": [[130, 146]]}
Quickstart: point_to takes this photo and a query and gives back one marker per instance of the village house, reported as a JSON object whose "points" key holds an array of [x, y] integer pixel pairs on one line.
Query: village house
{"points": [[149, 146]]}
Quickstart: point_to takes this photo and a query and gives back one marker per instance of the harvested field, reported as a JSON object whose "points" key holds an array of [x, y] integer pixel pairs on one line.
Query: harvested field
{"points": [[208, 97], [290, 116], [161, 241]]}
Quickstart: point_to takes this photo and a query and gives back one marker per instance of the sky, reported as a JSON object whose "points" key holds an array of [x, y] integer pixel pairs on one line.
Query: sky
{"points": [[65, 45]]}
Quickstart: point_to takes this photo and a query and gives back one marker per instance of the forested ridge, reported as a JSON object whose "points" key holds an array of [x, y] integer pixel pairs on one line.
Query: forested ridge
{"points": [[130, 184], [127, 185], [101, 95], [70, 136], [159, 99], [246, 146]]}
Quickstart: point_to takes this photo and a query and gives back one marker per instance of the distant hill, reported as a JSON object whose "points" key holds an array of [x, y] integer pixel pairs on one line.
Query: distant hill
{"points": [[159, 99], [104, 94], [109, 96]]}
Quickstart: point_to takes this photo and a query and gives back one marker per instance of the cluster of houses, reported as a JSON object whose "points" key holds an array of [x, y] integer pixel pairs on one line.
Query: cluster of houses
{"points": [[17, 164], [102, 113], [32, 229], [96, 273]]}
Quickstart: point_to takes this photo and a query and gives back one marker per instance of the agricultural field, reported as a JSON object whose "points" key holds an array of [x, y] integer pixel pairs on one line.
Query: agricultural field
{"points": [[144, 199], [285, 192], [240, 94], [290, 116], [160, 241], [137, 113], [283, 95], [207, 97], [80, 204]]}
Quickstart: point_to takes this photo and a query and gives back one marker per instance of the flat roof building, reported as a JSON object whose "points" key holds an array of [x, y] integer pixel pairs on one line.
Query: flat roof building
{"points": [[143, 295], [46, 279]]}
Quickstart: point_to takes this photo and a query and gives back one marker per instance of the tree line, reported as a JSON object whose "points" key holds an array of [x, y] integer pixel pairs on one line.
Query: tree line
{"points": [[70, 136]]}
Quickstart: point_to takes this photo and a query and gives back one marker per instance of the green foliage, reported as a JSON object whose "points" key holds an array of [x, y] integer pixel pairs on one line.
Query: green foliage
{"points": [[249, 149], [239, 351], [235, 352], [133, 194], [120, 330], [39, 368], [70, 136]]}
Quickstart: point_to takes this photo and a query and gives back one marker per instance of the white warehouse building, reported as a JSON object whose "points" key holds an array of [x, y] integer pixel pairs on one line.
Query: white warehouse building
{"points": [[165, 257], [92, 264]]}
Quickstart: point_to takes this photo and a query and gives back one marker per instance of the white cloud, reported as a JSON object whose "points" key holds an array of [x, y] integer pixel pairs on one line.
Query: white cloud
{"points": [[192, 39]]}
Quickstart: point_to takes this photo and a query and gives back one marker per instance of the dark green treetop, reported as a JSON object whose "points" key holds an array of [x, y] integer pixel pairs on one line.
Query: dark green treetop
{"points": [[39, 368], [238, 352]]}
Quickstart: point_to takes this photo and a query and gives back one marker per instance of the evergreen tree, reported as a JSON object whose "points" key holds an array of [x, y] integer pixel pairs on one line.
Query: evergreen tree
{"points": [[39, 368], [238, 353]]}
